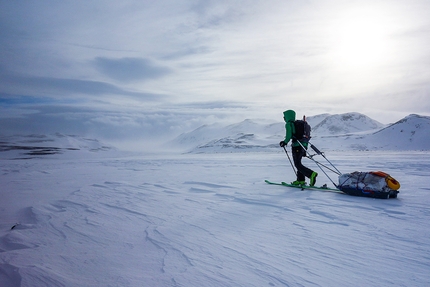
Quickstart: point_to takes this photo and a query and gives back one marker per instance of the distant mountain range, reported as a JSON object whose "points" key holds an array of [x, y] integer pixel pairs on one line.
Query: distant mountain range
{"points": [[349, 131], [342, 132]]}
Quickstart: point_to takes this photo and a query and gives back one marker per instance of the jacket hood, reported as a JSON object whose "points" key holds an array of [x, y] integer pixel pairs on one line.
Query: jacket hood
{"points": [[289, 115]]}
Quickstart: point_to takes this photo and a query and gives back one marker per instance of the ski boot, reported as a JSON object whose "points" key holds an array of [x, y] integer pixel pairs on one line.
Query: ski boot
{"points": [[299, 183], [313, 178]]}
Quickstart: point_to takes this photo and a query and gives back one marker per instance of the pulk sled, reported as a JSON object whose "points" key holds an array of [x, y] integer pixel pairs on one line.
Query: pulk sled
{"points": [[376, 184]]}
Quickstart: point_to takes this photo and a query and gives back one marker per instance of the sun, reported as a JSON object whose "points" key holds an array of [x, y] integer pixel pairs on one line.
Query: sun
{"points": [[359, 39]]}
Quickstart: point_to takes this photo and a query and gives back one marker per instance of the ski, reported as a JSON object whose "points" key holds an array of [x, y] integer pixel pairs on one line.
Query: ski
{"points": [[302, 187]]}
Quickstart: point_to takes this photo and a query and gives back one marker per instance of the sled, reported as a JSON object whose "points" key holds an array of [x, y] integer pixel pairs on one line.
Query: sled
{"points": [[369, 184], [375, 184]]}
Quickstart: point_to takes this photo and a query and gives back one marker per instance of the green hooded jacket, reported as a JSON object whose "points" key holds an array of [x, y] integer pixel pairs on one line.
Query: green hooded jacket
{"points": [[289, 118]]}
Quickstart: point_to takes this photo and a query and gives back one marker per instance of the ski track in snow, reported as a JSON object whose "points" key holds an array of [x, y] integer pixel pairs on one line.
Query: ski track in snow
{"points": [[209, 220]]}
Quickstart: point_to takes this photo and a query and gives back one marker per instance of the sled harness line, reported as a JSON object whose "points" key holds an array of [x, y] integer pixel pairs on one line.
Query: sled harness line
{"points": [[323, 155], [323, 165]]}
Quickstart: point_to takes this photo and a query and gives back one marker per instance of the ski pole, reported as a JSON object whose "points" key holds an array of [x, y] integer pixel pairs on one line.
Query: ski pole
{"points": [[321, 153], [290, 160]]}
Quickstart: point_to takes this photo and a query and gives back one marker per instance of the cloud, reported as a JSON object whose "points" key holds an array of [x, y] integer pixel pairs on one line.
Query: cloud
{"points": [[130, 69], [145, 123], [197, 61], [59, 87]]}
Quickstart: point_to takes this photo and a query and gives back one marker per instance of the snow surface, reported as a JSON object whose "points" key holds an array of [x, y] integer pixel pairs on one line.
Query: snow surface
{"points": [[106, 218], [77, 212]]}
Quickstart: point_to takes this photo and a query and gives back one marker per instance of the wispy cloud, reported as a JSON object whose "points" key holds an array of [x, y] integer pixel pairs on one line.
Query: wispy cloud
{"points": [[61, 88], [130, 69]]}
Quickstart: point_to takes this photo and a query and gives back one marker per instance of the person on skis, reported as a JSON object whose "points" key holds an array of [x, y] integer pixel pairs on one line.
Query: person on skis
{"points": [[299, 145]]}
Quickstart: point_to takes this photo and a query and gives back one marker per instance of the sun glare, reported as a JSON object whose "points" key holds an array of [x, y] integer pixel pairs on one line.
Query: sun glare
{"points": [[360, 40]]}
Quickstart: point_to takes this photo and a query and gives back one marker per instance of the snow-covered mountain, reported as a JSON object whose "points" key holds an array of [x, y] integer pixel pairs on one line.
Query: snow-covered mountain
{"points": [[350, 131], [333, 132], [410, 133], [240, 136], [344, 124], [316, 120]]}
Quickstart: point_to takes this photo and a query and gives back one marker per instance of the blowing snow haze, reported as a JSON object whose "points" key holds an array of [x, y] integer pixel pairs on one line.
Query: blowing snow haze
{"points": [[145, 72], [344, 132]]}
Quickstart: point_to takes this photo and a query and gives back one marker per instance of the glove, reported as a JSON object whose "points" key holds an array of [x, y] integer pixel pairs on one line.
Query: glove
{"points": [[282, 144]]}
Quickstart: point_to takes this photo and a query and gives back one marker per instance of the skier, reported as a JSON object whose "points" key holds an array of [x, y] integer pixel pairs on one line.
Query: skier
{"points": [[297, 149]]}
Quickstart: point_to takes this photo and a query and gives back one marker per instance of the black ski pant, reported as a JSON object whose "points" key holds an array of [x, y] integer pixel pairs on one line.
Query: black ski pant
{"points": [[302, 171]]}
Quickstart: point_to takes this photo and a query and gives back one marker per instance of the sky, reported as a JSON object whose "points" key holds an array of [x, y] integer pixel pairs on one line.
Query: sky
{"points": [[145, 68]]}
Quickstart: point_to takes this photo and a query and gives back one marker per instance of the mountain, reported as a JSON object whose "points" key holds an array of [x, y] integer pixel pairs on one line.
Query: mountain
{"points": [[248, 134], [315, 120], [410, 133], [349, 131], [344, 124]]}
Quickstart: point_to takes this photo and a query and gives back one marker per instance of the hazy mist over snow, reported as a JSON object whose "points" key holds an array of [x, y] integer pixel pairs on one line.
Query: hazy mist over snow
{"points": [[154, 132]]}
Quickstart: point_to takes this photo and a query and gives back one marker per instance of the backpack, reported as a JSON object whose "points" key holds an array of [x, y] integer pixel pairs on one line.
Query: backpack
{"points": [[302, 130]]}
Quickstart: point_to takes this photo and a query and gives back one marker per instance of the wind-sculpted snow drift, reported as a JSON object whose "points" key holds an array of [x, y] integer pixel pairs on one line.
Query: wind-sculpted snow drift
{"points": [[207, 220]]}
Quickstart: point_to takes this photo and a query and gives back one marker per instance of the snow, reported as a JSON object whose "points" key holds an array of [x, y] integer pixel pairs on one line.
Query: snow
{"points": [[344, 132], [345, 123], [90, 215]]}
